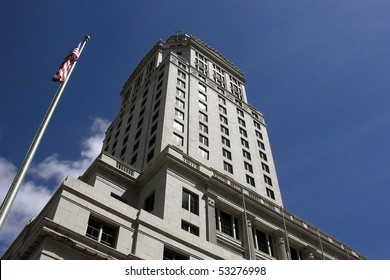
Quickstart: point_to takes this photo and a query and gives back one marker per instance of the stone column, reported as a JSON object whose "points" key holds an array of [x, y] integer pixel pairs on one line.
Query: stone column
{"points": [[280, 245], [249, 245], [210, 222]]}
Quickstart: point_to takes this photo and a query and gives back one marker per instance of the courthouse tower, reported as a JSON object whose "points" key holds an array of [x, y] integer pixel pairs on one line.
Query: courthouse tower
{"points": [[186, 172]]}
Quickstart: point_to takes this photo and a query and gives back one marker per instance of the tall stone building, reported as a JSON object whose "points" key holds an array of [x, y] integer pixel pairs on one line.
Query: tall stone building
{"points": [[186, 172]]}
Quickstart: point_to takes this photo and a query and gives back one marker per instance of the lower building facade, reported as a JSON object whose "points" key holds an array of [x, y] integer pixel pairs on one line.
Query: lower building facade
{"points": [[177, 208]]}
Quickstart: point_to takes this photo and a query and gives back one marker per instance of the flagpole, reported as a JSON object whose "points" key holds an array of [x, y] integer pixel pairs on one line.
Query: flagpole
{"points": [[12, 192]]}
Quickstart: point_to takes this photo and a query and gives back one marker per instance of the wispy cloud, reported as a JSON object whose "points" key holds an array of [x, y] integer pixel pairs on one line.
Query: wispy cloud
{"points": [[35, 192]]}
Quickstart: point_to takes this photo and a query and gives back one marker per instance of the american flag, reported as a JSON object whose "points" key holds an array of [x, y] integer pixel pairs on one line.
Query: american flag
{"points": [[63, 71]]}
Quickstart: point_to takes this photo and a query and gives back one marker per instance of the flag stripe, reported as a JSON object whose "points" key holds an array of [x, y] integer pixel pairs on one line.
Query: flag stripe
{"points": [[63, 71]]}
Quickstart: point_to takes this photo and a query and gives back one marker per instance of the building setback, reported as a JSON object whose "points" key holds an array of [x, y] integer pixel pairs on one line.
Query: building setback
{"points": [[186, 172]]}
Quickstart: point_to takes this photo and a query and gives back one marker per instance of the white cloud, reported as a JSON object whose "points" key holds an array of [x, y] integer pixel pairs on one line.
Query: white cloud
{"points": [[34, 194]]}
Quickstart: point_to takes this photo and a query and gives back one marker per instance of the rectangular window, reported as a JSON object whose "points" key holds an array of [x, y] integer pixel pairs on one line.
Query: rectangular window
{"points": [[204, 140], [202, 87], [203, 153], [246, 154], [227, 154], [265, 167], [244, 143], [223, 119], [202, 96], [181, 74], [250, 180], [227, 224], [228, 167], [222, 109], [270, 193], [178, 140], [222, 100], [248, 167], [267, 180], [179, 114], [243, 132], [202, 106], [181, 83], [259, 135], [263, 242], [263, 155], [257, 125], [150, 155], [190, 201], [241, 122], [261, 145], [204, 128], [189, 228], [240, 112], [225, 141], [203, 117], [178, 126], [172, 255], [180, 93], [179, 103], [224, 130], [101, 232]]}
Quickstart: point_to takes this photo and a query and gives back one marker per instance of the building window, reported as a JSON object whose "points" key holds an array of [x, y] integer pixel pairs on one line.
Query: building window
{"points": [[172, 255], [250, 180], [225, 141], [152, 141], [203, 153], [204, 140], [244, 143], [246, 154], [270, 193], [259, 135], [222, 100], [265, 167], [179, 114], [223, 119], [227, 223], [202, 106], [240, 112], [178, 139], [241, 122], [180, 93], [222, 109], [149, 203], [263, 155], [190, 202], [204, 128], [296, 254], [227, 154], [257, 125], [263, 242], [261, 145], [179, 103], [248, 167], [202, 96], [224, 130], [181, 74], [243, 132], [228, 167], [189, 228], [178, 126], [267, 180], [181, 83], [203, 117], [133, 159], [101, 232]]}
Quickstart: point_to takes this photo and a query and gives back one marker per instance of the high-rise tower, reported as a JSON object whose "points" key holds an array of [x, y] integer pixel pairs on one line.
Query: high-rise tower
{"points": [[186, 172], [185, 93]]}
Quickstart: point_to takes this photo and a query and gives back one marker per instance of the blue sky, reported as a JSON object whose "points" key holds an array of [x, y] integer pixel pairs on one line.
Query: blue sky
{"points": [[318, 70]]}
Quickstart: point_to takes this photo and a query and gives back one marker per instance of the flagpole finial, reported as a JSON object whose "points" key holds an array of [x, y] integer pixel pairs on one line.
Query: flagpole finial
{"points": [[86, 38]]}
